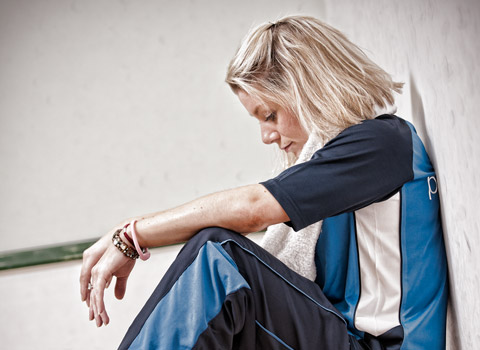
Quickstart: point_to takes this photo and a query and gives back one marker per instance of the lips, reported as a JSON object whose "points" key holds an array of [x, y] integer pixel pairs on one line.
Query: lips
{"points": [[287, 147]]}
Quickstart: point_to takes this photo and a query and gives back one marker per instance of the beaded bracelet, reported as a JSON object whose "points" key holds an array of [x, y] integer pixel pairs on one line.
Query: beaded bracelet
{"points": [[123, 247]]}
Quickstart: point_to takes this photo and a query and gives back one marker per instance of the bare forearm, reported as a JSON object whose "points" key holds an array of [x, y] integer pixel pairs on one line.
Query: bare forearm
{"points": [[245, 209]]}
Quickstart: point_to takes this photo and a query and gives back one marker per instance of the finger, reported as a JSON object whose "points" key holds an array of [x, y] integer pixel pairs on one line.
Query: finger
{"points": [[98, 320], [104, 317], [85, 275], [90, 313], [120, 287], [99, 304], [93, 296], [90, 258], [96, 313], [89, 295], [108, 282]]}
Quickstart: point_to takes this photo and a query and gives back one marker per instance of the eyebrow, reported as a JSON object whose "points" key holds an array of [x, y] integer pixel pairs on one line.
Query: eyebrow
{"points": [[256, 110]]}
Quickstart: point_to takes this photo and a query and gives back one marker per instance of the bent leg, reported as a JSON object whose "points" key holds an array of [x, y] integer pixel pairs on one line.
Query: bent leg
{"points": [[225, 292]]}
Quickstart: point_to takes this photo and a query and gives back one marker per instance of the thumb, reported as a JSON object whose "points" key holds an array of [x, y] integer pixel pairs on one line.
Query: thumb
{"points": [[120, 287]]}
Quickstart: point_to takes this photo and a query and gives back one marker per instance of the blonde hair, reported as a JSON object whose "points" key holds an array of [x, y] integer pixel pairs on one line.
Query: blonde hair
{"points": [[313, 71]]}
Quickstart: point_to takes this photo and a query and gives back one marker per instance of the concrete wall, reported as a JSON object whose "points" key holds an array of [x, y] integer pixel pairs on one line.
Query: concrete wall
{"points": [[41, 306], [434, 47], [73, 76], [110, 109]]}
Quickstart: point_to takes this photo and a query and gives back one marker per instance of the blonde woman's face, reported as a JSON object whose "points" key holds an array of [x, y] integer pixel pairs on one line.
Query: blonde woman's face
{"points": [[276, 124]]}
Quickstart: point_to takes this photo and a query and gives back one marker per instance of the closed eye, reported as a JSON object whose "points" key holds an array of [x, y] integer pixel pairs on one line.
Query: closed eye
{"points": [[270, 117]]}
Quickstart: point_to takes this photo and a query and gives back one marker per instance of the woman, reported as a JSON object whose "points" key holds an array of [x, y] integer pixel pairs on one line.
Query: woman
{"points": [[375, 277]]}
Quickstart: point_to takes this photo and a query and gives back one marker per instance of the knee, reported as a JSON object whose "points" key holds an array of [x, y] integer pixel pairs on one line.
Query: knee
{"points": [[212, 234]]}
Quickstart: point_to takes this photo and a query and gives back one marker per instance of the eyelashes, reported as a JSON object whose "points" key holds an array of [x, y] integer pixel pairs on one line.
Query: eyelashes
{"points": [[271, 117]]}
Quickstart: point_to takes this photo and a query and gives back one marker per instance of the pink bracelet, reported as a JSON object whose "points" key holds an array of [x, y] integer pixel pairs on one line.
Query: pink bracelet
{"points": [[143, 253]]}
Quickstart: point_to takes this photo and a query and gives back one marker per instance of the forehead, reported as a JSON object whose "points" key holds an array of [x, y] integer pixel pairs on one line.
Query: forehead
{"points": [[253, 105]]}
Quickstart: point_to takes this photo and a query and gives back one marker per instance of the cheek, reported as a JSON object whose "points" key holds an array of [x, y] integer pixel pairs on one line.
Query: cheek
{"points": [[294, 129]]}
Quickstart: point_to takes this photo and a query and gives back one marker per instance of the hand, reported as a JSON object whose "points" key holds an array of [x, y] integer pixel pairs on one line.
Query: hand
{"points": [[101, 262]]}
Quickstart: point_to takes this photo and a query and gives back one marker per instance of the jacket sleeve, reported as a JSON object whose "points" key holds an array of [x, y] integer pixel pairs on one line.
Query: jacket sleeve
{"points": [[366, 163]]}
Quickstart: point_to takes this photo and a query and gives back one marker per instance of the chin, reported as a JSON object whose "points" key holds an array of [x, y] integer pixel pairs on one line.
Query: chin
{"points": [[296, 153]]}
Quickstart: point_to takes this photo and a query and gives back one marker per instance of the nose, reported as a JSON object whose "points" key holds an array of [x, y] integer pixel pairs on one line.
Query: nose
{"points": [[269, 134]]}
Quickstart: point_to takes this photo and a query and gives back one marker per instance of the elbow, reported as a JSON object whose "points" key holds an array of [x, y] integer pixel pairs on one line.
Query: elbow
{"points": [[255, 223], [256, 212]]}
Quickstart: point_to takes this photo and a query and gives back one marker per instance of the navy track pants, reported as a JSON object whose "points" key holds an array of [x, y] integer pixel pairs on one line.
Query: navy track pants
{"points": [[225, 292]]}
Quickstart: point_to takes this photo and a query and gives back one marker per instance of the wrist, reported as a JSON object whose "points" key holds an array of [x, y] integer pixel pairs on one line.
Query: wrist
{"points": [[131, 236], [127, 237], [123, 246]]}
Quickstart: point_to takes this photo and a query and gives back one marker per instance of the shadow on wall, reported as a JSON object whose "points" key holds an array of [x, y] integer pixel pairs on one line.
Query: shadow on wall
{"points": [[418, 117]]}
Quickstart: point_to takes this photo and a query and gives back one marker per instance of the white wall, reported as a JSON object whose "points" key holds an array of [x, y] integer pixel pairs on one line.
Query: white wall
{"points": [[434, 47], [41, 306], [110, 109], [74, 74]]}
